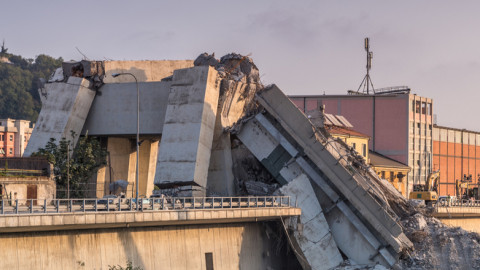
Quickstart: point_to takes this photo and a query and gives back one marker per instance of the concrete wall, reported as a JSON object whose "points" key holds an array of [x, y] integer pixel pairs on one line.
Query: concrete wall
{"points": [[17, 187], [145, 71], [114, 111], [468, 224], [232, 246]]}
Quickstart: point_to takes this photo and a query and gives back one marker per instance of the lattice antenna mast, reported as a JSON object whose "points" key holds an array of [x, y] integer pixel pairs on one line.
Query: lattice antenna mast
{"points": [[367, 81]]}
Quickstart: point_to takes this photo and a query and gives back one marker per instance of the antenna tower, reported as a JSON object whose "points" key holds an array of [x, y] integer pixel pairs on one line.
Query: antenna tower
{"points": [[367, 81]]}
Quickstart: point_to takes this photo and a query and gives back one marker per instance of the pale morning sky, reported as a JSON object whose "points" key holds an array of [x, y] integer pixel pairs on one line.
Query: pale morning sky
{"points": [[305, 47]]}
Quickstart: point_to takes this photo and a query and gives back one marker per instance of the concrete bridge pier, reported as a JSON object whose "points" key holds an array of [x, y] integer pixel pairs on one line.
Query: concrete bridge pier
{"points": [[121, 165]]}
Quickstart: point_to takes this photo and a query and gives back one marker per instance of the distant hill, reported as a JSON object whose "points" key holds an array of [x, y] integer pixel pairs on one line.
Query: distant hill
{"points": [[19, 83]]}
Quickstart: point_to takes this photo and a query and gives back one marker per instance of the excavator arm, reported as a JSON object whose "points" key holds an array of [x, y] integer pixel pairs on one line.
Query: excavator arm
{"points": [[431, 184]]}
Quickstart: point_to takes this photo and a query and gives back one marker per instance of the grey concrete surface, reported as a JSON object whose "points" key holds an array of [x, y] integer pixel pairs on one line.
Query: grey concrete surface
{"points": [[114, 110], [89, 220], [314, 238], [185, 148], [64, 109]]}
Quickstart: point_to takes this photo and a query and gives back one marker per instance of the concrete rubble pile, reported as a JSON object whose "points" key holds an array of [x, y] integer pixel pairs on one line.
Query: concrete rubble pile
{"points": [[438, 246], [215, 130]]}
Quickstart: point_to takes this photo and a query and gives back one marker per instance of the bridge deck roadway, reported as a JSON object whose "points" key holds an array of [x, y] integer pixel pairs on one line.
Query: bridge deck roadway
{"points": [[95, 220]]}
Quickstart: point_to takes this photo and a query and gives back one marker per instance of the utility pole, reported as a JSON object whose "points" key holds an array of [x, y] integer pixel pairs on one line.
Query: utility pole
{"points": [[68, 170]]}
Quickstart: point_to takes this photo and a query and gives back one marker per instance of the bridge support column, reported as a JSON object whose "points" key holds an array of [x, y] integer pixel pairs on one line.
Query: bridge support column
{"points": [[121, 160], [184, 154], [147, 166]]}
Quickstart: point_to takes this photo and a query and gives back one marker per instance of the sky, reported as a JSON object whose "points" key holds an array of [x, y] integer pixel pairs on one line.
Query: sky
{"points": [[304, 47]]}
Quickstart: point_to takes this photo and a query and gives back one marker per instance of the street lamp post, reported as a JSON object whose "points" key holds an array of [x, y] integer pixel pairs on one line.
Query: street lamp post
{"points": [[138, 130]]}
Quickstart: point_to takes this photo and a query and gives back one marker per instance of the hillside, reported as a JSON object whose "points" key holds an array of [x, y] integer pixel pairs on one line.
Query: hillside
{"points": [[19, 83]]}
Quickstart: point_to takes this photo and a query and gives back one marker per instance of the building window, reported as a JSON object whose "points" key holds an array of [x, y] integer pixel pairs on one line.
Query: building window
{"points": [[418, 128], [413, 105], [392, 176], [25, 138], [417, 106], [10, 151], [354, 146], [364, 150], [382, 174], [429, 108], [11, 138], [1, 137]]}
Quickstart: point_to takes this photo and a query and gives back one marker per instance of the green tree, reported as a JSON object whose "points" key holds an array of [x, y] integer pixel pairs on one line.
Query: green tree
{"points": [[86, 158], [128, 267], [19, 83]]}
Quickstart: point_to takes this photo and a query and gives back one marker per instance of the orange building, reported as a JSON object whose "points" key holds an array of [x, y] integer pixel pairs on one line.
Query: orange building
{"points": [[456, 153], [14, 136]]}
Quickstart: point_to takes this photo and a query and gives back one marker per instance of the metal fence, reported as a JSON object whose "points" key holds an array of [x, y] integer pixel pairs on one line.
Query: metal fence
{"points": [[458, 203], [33, 206]]}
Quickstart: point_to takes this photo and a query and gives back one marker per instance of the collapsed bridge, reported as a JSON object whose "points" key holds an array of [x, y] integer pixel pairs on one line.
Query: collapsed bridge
{"points": [[193, 115]]}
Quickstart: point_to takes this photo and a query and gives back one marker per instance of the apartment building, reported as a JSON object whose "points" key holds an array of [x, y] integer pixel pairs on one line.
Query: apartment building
{"points": [[14, 136]]}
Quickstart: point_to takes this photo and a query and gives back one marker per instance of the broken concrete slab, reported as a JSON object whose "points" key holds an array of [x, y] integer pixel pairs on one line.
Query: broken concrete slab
{"points": [[351, 235], [314, 239], [348, 181], [186, 144]]}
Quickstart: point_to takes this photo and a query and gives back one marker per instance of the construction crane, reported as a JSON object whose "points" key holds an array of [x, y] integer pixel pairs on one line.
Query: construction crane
{"points": [[427, 192]]}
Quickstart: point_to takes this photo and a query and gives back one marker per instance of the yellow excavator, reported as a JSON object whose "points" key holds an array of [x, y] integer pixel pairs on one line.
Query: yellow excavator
{"points": [[427, 192]]}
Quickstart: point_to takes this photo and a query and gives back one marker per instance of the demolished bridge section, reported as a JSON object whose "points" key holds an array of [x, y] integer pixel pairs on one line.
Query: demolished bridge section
{"points": [[364, 227]]}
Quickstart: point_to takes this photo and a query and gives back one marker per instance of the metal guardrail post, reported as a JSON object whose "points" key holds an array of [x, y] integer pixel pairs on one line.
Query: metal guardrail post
{"points": [[16, 206], [45, 206], [57, 206], [96, 204], [163, 203], [108, 204], [30, 207], [83, 205]]}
